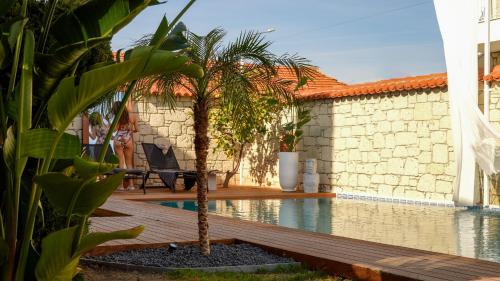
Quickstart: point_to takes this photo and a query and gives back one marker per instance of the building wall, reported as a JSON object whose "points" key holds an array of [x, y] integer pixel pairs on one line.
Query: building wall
{"points": [[397, 145], [495, 120], [157, 124]]}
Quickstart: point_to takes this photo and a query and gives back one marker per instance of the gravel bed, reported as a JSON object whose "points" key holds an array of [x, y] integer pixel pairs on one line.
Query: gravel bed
{"points": [[190, 257]]}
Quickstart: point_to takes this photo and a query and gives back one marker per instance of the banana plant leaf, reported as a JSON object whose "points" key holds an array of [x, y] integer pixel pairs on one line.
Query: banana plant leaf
{"points": [[81, 29], [94, 239], [57, 262], [87, 168], [72, 97], [35, 143], [60, 190]]}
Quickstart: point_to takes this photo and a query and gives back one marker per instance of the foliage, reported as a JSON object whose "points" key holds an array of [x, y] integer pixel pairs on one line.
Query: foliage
{"points": [[291, 131], [43, 90], [236, 126], [246, 65]]}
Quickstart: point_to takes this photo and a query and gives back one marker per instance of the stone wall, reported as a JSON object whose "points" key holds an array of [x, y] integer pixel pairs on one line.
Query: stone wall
{"points": [[157, 124], [495, 120], [396, 145]]}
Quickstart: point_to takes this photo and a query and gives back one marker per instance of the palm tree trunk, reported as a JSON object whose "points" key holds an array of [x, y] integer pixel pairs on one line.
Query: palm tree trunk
{"points": [[201, 143]]}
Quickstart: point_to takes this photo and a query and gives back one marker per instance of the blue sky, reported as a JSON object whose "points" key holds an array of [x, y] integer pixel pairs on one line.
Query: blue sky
{"points": [[353, 41]]}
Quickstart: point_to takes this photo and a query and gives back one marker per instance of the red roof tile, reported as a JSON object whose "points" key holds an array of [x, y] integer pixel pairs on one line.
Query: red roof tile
{"points": [[494, 75], [430, 81]]}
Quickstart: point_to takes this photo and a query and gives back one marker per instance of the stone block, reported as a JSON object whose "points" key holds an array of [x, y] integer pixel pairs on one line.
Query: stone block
{"points": [[411, 167], [364, 144], [435, 169], [398, 126], [406, 114], [438, 137], [381, 168], [426, 183], [400, 151], [414, 194], [406, 138], [439, 109], [444, 187], [345, 132], [351, 142], [391, 179], [373, 157], [364, 180], [358, 130], [395, 166], [354, 155], [384, 126], [390, 142], [424, 144], [378, 140], [445, 122], [156, 120], [378, 179], [385, 190], [425, 157], [440, 153], [393, 115], [422, 111]]}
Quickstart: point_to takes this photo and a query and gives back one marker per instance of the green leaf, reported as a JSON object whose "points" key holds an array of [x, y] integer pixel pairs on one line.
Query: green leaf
{"points": [[36, 142], [95, 194], [87, 168], [53, 67], [71, 97], [161, 32], [4, 249], [15, 30], [57, 262], [96, 19], [59, 189], [92, 240]]}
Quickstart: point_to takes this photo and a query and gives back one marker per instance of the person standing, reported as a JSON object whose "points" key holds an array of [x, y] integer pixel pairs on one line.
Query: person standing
{"points": [[124, 143]]}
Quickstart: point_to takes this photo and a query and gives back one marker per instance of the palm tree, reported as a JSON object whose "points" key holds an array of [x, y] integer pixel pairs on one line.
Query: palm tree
{"points": [[231, 72]]}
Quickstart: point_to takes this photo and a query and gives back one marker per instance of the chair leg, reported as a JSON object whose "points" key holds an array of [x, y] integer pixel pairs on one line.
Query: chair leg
{"points": [[144, 183]]}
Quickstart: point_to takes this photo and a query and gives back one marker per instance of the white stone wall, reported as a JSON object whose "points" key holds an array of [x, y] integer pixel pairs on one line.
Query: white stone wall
{"points": [[396, 145], [157, 124], [495, 120]]}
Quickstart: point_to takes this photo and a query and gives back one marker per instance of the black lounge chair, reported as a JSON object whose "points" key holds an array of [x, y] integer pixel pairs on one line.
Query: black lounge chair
{"points": [[93, 151], [167, 167]]}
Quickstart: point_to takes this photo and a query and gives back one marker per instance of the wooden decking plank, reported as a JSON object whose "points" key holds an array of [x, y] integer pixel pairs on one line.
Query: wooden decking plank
{"points": [[361, 258]]}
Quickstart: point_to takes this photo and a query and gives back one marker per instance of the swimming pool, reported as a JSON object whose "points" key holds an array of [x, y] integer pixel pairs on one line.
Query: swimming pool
{"points": [[471, 233]]}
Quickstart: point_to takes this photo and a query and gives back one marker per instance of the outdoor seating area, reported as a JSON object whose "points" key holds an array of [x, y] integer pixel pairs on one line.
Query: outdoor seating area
{"points": [[345, 141]]}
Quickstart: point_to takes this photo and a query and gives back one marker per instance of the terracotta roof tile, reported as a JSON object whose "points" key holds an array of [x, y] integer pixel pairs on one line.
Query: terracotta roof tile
{"points": [[430, 81], [494, 75]]}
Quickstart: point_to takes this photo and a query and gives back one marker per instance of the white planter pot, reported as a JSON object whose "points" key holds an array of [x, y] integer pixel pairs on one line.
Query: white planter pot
{"points": [[288, 170]]}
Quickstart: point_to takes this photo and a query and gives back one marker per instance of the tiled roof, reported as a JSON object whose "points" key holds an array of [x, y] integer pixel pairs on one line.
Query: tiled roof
{"points": [[430, 81], [494, 75], [318, 82]]}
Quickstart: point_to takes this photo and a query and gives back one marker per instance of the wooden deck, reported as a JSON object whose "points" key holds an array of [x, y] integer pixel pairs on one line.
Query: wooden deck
{"points": [[357, 259]]}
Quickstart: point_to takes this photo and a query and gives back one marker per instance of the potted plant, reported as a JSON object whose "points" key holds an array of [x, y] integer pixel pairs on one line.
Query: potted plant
{"points": [[291, 134]]}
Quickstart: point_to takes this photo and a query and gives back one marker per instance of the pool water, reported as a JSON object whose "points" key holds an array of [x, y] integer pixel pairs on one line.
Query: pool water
{"points": [[471, 233]]}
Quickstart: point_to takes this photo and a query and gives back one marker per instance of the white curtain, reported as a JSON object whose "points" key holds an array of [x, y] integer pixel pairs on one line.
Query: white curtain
{"points": [[474, 139]]}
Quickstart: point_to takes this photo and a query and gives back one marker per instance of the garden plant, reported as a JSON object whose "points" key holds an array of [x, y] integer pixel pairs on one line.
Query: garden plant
{"points": [[42, 90]]}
